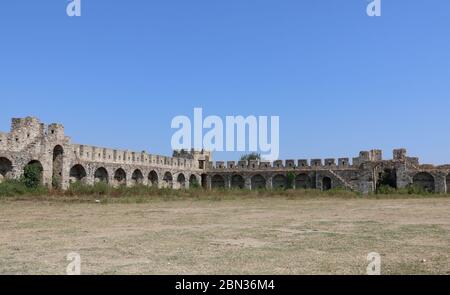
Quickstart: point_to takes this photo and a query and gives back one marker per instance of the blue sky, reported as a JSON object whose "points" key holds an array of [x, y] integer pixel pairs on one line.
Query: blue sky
{"points": [[340, 81]]}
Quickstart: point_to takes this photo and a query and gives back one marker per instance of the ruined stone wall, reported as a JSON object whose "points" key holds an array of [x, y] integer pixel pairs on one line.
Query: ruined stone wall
{"points": [[363, 174], [30, 141]]}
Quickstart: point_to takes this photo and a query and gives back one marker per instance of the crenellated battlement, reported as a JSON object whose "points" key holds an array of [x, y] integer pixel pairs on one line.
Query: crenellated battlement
{"points": [[114, 156], [328, 163], [63, 163], [25, 131]]}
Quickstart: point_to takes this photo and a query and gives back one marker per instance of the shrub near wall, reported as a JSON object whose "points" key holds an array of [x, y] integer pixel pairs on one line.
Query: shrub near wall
{"points": [[12, 188], [32, 176]]}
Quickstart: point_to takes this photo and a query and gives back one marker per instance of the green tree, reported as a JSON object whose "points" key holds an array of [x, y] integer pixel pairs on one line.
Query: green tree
{"points": [[250, 157]]}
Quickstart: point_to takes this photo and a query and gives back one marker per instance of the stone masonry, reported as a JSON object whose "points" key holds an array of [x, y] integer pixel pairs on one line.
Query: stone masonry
{"points": [[63, 163]]}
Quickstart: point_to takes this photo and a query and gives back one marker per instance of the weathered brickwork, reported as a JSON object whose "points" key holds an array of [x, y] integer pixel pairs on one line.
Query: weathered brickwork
{"points": [[63, 163]]}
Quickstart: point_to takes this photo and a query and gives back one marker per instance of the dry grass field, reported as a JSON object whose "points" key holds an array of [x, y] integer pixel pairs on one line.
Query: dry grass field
{"points": [[251, 236]]}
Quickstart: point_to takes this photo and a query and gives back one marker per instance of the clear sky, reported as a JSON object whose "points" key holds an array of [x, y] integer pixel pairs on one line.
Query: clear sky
{"points": [[340, 81]]}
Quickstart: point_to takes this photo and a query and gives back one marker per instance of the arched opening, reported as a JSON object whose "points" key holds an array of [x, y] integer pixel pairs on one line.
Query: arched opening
{"points": [[326, 184], [387, 178], [447, 180], [33, 173], [237, 182], [181, 180], [5, 169], [58, 154], [153, 179], [303, 181], [168, 180], [37, 164], [424, 181], [101, 175], [204, 181], [217, 181], [137, 177], [279, 182], [258, 182], [120, 177], [193, 181], [77, 174]]}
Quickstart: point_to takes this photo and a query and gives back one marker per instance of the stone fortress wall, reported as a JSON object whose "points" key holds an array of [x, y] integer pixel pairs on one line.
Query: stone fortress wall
{"points": [[63, 163]]}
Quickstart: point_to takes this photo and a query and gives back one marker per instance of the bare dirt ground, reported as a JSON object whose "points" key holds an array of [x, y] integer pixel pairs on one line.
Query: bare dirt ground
{"points": [[253, 236]]}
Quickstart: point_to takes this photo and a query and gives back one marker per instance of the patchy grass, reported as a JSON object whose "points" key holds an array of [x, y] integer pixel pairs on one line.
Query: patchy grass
{"points": [[229, 234], [11, 188], [78, 193]]}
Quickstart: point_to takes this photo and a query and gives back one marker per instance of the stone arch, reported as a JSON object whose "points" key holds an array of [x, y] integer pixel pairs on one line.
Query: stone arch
{"points": [[153, 178], [137, 177], [120, 177], [237, 182], [77, 174], [58, 155], [303, 181], [181, 179], [5, 168], [204, 178], [168, 180], [36, 162], [279, 181], [424, 181], [101, 175], [327, 183], [386, 177], [258, 182], [217, 181]]}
